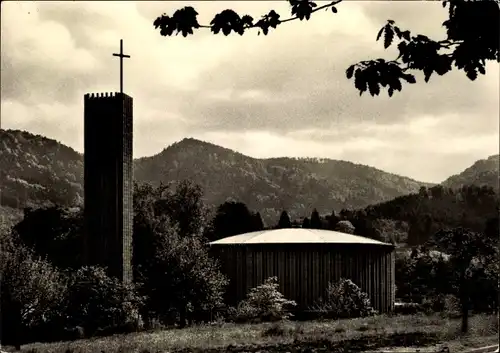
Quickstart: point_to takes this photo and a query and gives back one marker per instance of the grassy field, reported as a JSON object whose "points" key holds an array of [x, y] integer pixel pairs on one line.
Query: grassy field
{"points": [[311, 336]]}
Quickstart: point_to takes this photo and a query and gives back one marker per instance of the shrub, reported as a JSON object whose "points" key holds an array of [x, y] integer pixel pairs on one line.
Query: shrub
{"points": [[32, 293], [344, 299], [345, 227], [102, 305], [263, 303], [446, 304]]}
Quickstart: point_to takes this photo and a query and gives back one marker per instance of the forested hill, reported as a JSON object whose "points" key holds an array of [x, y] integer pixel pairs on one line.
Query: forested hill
{"points": [[482, 172], [271, 185], [413, 218], [35, 170]]}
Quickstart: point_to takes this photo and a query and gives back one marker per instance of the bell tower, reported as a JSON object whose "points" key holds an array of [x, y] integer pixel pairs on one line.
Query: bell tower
{"points": [[108, 180]]}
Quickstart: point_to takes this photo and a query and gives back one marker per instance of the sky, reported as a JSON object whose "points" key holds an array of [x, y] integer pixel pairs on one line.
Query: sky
{"points": [[284, 94]]}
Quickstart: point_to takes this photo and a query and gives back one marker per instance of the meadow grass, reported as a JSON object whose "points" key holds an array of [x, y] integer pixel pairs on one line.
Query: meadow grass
{"points": [[333, 335]]}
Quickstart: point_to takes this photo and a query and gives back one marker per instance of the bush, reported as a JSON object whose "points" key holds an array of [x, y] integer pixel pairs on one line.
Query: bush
{"points": [[344, 299], [446, 304], [32, 293], [102, 305], [263, 303], [345, 227]]}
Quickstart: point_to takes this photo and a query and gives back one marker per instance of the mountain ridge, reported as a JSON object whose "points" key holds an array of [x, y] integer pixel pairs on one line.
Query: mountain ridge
{"points": [[35, 169], [481, 172]]}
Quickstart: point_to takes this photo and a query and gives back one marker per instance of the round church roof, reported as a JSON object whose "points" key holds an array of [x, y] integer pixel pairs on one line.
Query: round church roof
{"points": [[297, 236]]}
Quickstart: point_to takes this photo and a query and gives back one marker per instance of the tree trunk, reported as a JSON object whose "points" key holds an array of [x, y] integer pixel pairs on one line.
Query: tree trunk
{"points": [[464, 302], [182, 315], [465, 316], [17, 324]]}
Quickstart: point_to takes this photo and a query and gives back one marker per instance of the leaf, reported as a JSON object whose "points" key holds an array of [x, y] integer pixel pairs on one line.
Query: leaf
{"points": [[390, 91], [380, 33], [302, 8], [273, 18], [374, 88], [398, 32], [471, 73], [409, 78], [405, 35], [396, 84], [334, 9], [442, 65], [360, 82], [427, 73], [403, 49], [247, 20], [157, 22], [349, 71], [388, 36]]}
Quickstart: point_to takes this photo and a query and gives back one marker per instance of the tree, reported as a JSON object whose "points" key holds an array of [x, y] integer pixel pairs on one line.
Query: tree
{"points": [[231, 218], [471, 28], [332, 220], [466, 248], [491, 228], [181, 278], [284, 221], [423, 192], [176, 273], [259, 225], [54, 232], [185, 206], [181, 206], [306, 223], [32, 291], [345, 227], [315, 220]]}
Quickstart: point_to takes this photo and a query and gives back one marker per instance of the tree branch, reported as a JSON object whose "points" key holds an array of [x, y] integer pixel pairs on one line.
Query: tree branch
{"points": [[333, 3], [256, 25], [184, 20]]}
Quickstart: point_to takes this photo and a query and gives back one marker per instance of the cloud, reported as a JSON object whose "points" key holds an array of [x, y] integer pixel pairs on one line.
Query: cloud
{"points": [[422, 156], [281, 94]]}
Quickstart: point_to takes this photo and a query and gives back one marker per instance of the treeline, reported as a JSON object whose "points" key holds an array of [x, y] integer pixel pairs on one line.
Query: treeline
{"points": [[48, 293], [412, 219]]}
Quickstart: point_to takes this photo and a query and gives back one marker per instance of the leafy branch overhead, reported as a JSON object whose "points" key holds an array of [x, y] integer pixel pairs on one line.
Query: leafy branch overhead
{"points": [[471, 28]]}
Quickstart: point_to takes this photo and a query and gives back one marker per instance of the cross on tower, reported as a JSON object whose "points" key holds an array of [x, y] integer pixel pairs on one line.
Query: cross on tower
{"points": [[121, 56]]}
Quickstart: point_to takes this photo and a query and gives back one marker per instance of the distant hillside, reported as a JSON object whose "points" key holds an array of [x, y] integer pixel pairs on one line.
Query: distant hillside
{"points": [[437, 207], [271, 185], [482, 172], [35, 170]]}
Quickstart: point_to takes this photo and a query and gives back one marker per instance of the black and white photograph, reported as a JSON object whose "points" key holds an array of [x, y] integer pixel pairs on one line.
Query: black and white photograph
{"points": [[250, 176]]}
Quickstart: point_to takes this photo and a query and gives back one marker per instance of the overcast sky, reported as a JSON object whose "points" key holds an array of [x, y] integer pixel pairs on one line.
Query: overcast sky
{"points": [[284, 94]]}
